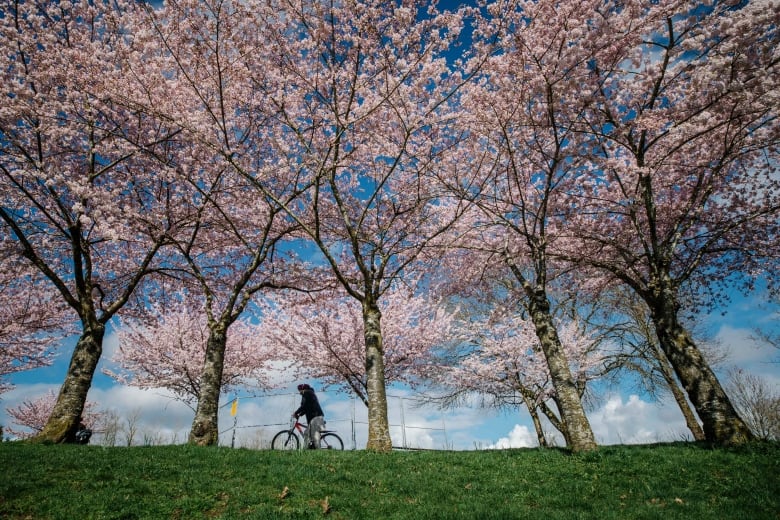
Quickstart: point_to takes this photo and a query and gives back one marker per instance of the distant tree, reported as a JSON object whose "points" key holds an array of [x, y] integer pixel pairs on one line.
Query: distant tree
{"points": [[33, 415], [110, 428], [323, 338], [500, 360], [131, 426], [757, 401], [166, 350]]}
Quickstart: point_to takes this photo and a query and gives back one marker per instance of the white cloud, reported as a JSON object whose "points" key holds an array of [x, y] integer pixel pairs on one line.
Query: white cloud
{"points": [[156, 416], [520, 437], [619, 421], [745, 351], [110, 344], [635, 421]]}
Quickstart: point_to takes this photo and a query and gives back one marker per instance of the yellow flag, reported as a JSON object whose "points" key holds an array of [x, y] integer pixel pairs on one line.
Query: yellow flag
{"points": [[234, 408]]}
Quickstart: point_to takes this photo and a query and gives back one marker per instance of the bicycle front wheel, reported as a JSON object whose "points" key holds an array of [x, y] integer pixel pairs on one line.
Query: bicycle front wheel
{"points": [[285, 440], [331, 441]]}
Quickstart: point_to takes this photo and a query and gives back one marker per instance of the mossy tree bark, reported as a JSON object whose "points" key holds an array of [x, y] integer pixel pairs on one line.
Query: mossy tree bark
{"points": [[578, 432], [679, 397], [66, 414], [721, 423], [205, 425], [378, 424]]}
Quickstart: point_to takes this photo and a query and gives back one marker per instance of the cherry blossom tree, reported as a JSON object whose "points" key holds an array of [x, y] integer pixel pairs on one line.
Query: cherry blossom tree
{"points": [[503, 362], [232, 254], [166, 350], [323, 338], [521, 116], [221, 64], [378, 85], [343, 103], [683, 193], [81, 192]]}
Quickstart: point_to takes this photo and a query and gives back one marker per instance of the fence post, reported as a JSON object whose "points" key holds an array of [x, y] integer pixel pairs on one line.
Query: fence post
{"points": [[354, 437], [403, 424]]}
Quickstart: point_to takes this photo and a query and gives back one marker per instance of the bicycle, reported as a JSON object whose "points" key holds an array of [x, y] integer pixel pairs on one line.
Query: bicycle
{"points": [[290, 440]]}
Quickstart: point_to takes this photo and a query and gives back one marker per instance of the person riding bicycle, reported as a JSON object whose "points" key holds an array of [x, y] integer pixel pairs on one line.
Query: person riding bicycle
{"points": [[315, 419]]}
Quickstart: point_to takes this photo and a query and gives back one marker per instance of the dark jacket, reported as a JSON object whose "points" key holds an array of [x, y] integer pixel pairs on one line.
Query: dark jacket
{"points": [[310, 406]]}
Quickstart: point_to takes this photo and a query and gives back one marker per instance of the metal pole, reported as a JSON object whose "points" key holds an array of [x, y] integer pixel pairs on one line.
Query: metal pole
{"points": [[354, 438], [403, 424]]}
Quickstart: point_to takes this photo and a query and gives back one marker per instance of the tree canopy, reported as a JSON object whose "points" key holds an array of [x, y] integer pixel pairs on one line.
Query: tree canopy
{"points": [[381, 160]]}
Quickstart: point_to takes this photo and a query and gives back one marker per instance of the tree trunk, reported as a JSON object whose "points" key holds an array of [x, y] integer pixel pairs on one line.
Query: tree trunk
{"points": [[529, 399], [679, 396], [557, 422], [580, 435], [205, 426], [66, 415], [721, 423], [538, 427], [378, 425]]}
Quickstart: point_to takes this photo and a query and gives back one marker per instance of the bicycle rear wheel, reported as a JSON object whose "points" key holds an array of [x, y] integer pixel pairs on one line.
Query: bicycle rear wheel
{"points": [[331, 441], [285, 440]]}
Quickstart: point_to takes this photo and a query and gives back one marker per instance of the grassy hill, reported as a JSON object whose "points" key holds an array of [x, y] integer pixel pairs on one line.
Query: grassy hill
{"points": [[666, 481]]}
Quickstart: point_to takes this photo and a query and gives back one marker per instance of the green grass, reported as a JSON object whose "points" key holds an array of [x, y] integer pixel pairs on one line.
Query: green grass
{"points": [[616, 482]]}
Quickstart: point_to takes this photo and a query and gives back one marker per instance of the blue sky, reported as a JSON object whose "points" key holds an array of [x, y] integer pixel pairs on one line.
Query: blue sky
{"points": [[621, 416]]}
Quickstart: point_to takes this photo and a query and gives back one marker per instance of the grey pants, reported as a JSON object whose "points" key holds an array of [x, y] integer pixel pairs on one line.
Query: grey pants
{"points": [[312, 434]]}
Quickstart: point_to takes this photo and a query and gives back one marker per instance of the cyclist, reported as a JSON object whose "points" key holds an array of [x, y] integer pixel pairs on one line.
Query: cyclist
{"points": [[315, 419]]}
